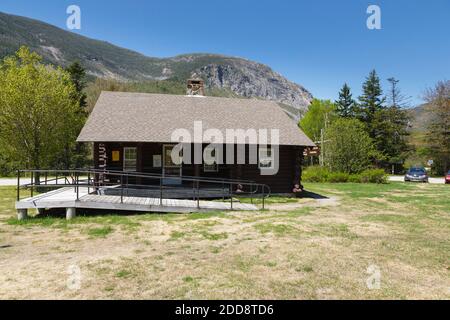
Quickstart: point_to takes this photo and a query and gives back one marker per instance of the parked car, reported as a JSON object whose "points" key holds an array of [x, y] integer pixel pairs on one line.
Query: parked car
{"points": [[447, 178], [416, 174]]}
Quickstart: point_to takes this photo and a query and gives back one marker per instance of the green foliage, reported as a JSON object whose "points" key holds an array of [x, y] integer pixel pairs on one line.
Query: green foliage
{"points": [[386, 126], [170, 86], [373, 176], [391, 125], [338, 177], [438, 131], [354, 178], [371, 101], [279, 230], [94, 89], [188, 279], [7, 167], [345, 105], [323, 174], [123, 274], [76, 156], [213, 236], [100, 232], [320, 113], [370, 111], [78, 78], [348, 147], [315, 174], [391, 134], [38, 115], [175, 235]]}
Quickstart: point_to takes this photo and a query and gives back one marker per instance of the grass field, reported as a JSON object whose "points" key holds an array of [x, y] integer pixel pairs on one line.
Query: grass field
{"points": [[394, 236]]}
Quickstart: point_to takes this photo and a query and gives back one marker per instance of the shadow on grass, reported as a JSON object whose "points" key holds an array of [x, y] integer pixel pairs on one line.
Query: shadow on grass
{"points": [[61, 213], [311, 195]]}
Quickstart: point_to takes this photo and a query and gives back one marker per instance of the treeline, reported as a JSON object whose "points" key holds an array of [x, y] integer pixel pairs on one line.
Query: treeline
{"points": [[43, 108], [167, 86], [372, 131], [94, 88]]}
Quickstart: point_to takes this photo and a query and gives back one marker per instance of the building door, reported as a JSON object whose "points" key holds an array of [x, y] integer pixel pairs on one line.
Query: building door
{"points": [[171, 171]]}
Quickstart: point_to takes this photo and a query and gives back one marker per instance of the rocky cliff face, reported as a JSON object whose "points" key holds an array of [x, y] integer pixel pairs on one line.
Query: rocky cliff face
{"points": [[250, 79]]}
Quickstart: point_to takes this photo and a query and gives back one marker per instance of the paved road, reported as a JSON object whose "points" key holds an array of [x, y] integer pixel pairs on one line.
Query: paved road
{"points": [[430, 180], [8, 181]]}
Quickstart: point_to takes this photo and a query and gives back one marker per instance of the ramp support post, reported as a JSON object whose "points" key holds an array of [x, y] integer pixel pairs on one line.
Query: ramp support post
{"points": [[22, 214], [70, 213]]}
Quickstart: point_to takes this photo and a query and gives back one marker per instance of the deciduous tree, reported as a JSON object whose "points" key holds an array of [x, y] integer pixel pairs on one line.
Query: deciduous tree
{"points": [[320, 113], [38, 115], [348, 146], [438, 99]]}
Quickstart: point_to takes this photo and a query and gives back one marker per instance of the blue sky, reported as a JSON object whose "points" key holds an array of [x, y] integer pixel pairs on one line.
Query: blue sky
{"points": [[320, 44]]}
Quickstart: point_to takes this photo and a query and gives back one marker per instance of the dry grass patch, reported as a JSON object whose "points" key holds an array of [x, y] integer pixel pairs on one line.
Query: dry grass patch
{"points": [[298, 249]]}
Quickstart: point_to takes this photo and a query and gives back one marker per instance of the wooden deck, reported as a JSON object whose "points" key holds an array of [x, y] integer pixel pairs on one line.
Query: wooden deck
{"points": [[67, 198]]}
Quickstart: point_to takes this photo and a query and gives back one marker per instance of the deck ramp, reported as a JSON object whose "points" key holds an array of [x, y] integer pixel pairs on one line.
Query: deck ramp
{"points": [[67, 198]]}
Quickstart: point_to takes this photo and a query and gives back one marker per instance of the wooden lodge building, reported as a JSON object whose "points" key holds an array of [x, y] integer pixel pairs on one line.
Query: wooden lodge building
{"points": [[132, 132]]}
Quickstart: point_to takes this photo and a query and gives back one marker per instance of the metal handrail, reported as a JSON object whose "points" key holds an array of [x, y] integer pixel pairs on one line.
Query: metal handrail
{"points": [[76, 173], [71, 178], [170, 176], [187, 178], [140, 174]]}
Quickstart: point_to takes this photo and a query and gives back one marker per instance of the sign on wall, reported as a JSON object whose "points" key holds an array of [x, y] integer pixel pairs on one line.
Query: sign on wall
{"points": [[116, 155]]}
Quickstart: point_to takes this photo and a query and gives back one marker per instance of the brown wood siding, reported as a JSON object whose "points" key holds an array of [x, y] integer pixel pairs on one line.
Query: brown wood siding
{"points": [[282, 182]]}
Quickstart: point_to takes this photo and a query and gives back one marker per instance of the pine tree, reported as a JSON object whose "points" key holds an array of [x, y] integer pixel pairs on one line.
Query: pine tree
{"points": [[76, 155], [78, 78], [371, 113], [371, 102], [345, 105], [393, 131]]}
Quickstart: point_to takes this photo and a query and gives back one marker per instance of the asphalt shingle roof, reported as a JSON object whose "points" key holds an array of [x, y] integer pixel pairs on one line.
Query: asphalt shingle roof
{"points": [[144, 117]]}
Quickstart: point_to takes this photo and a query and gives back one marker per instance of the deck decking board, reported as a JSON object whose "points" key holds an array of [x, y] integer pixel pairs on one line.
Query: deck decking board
{"points": [[67, 198]]}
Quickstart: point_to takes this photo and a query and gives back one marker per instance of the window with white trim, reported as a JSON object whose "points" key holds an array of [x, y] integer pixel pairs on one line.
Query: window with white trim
{"points": [[265, 157], [129, 159], [167, 155], [211, 167]]}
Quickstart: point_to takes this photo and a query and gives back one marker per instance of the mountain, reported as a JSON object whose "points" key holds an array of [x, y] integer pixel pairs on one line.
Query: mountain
{"points": [[421, 118], [238, 76]]}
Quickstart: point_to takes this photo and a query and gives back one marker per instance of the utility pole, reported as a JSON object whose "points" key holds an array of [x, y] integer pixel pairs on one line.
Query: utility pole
{"points": [[322, 141], [321, 147]]}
